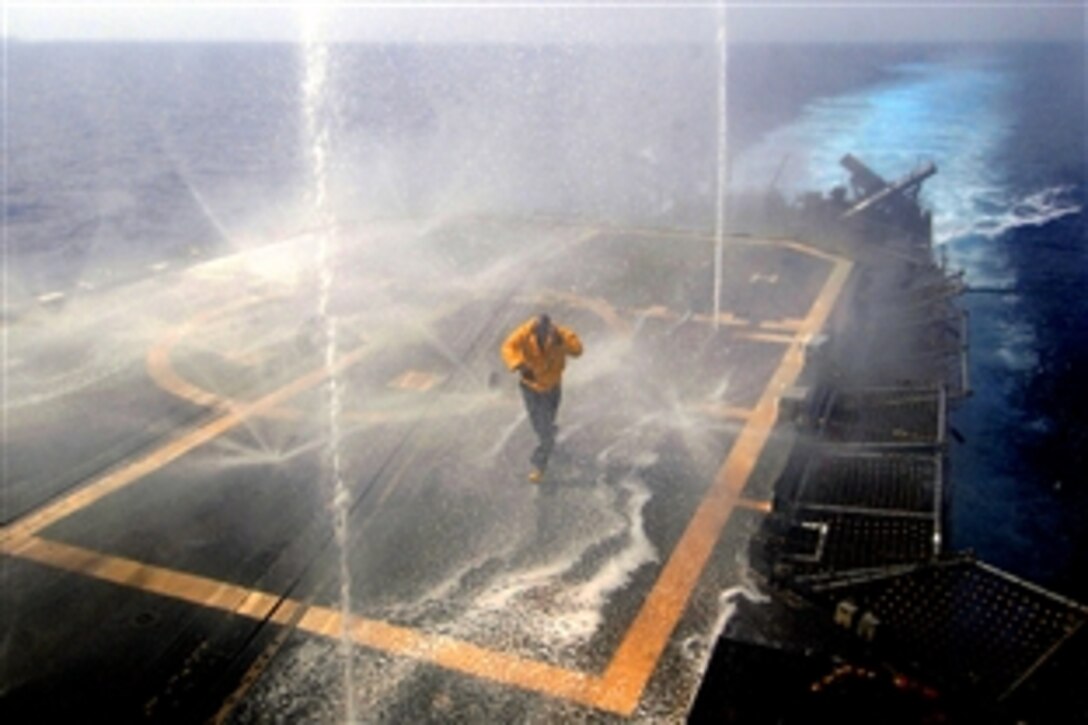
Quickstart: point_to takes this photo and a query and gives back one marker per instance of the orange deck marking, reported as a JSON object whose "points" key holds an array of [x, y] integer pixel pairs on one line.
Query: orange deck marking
{"points": [[767, 337], [191, 588], [143, 465], [160, 367], [292, 613], [414, 380], [457, 655], [786, 325], [600, 307], [755, 505], [619, 689], [322, 621], [641, 648], [162, 372]]}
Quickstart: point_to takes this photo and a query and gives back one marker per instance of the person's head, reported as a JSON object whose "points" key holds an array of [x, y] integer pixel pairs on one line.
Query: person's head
{"points": [[543, 328]]}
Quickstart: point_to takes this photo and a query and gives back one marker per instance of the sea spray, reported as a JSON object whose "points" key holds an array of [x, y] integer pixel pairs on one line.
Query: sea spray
{"points": [[318, 109]]}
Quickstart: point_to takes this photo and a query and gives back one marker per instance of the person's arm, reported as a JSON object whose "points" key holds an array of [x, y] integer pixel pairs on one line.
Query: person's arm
{"points": [[571, 344], [513, 352]]}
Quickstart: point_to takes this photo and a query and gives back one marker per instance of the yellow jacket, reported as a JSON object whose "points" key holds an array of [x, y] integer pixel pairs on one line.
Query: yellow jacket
{"points": [[546, 365]]}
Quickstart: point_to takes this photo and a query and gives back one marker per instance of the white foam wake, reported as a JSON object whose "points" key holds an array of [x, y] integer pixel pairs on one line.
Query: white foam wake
{"points": [[994, 213]]}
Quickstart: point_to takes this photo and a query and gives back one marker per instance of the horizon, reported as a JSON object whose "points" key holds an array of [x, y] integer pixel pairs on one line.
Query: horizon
{"points": [[816, 21]]}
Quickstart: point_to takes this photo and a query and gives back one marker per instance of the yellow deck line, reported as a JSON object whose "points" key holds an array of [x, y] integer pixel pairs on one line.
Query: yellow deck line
{"points": [[787, 325], [150, 462], [191, 588], [642, 645], [621, 686], [161, 369], [601, 307], [458, 655], [322, 621], [752, 504], [780, 339], [290, 613], [723, 412]]}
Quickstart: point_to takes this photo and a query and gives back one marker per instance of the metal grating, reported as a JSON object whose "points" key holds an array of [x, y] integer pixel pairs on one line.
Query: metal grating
{"points": [[978, 626], [892, 482], [858, 541], [886, 417]]}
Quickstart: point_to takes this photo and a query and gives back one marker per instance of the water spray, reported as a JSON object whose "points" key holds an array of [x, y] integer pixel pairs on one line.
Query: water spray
{"points": [[318, 119], [719, 225]]}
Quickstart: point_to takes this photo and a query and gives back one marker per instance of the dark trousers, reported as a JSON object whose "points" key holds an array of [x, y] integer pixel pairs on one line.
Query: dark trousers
{"points": [[542, 408]]}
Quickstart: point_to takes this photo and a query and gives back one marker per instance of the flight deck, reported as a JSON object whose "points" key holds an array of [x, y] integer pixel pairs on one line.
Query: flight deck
{"points": [[285, 485]]}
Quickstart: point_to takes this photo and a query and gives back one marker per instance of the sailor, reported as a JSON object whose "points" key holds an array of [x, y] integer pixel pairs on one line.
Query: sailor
{"points": [[537, 351]]}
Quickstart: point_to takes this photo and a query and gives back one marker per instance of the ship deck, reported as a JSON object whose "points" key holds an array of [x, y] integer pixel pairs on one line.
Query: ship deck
{"points": [[215, 508]]}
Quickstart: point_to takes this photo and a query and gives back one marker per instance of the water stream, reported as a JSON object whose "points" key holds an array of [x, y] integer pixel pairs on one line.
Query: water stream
{"points": [[319, 113], [719, 223]]}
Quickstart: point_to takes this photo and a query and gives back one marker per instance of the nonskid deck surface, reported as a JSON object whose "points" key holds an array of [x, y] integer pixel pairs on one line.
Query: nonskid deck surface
{"points": [[180, 538]]}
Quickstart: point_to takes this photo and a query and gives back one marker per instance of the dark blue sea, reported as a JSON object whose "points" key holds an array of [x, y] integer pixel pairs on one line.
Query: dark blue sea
{"points": [[123, 159]]}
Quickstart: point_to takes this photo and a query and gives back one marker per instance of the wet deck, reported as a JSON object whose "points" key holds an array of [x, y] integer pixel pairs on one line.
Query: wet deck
{"points": [[171, 540]]}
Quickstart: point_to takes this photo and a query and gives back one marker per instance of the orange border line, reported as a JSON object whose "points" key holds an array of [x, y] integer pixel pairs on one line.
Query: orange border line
{"points": [[143, 465], [760, 505], [441, 650], [645, 641]]}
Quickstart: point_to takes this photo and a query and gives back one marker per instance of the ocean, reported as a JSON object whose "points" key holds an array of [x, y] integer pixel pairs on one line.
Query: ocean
{"points": [[125, 160]]}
